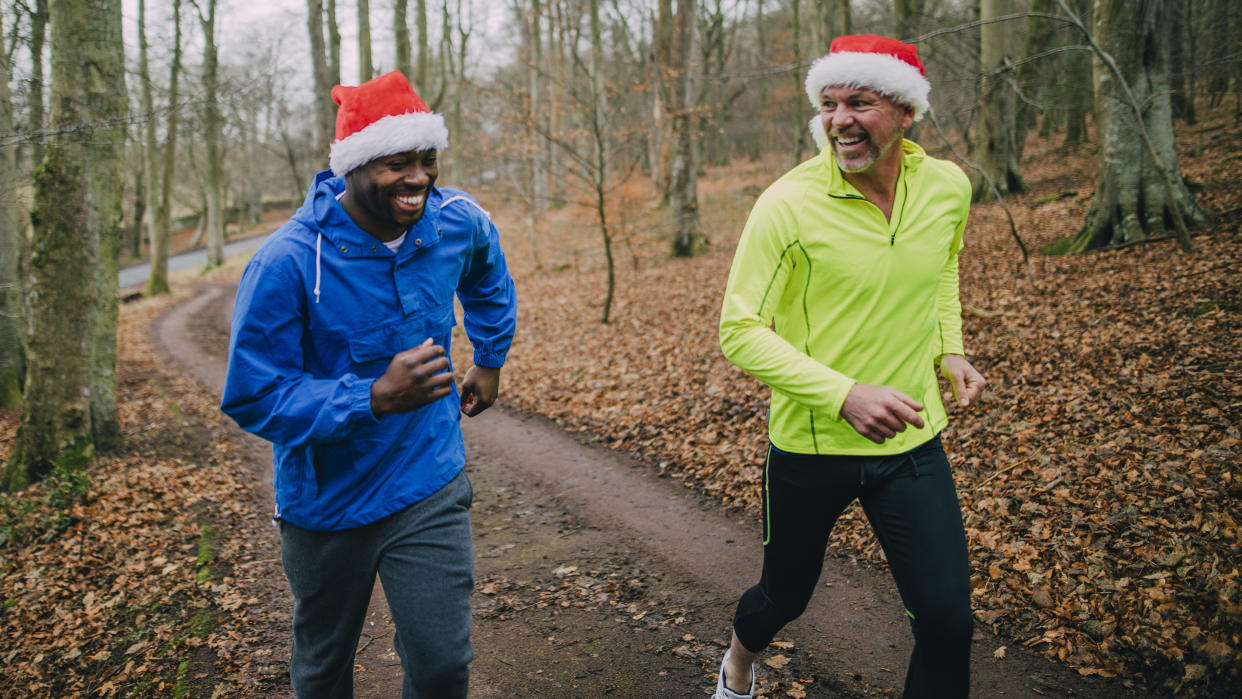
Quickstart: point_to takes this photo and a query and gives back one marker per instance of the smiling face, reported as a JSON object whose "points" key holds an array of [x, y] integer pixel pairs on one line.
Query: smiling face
{"points": [[862, 126], [387, 195]]}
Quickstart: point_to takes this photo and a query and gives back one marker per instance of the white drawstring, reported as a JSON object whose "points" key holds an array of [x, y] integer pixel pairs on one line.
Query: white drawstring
{"points": [[318, 242]]}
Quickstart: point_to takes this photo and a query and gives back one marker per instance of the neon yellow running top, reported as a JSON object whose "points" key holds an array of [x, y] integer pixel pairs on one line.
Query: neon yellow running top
{"points": [[824, 293]]}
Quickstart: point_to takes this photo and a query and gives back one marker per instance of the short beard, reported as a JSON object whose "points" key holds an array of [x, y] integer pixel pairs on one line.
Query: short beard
{"points": [[873, 156]]}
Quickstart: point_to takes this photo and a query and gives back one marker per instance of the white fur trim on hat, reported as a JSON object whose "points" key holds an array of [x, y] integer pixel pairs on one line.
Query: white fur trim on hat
{"points": [[395, 133], [883, 73]]}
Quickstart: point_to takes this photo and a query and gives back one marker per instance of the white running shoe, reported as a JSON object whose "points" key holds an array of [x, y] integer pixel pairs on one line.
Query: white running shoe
{"points": [[723, 692]]}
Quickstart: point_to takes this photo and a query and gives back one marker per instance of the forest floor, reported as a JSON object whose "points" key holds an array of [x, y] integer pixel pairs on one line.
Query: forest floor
{"points": [[1097, 476]]}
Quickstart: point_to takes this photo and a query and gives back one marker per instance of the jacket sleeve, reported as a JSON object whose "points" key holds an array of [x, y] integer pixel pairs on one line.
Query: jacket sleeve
{"points": [[762, 267], [948, 301], [488, 297], [267, 389]]}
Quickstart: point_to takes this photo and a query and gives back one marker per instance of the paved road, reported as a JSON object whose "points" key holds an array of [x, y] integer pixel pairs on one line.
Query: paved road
{"points": [[137, 273]]}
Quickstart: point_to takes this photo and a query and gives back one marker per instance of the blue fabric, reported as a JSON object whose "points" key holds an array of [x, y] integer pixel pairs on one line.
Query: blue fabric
{"points": [[301, 366]]}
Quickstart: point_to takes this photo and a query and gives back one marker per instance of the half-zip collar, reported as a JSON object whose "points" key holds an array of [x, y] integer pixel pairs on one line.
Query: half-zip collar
{"points": [[840, 188]]}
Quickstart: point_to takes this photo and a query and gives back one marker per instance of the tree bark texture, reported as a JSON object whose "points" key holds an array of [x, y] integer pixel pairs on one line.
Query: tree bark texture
{"points": [[997, 149], [161, 239], [325, 117], [365, 69], [1133, 200], [212, 126], [70, 405], [38, 38], [100, 86], [683, 189], [56, 415], [11, 360], [401, 35]]}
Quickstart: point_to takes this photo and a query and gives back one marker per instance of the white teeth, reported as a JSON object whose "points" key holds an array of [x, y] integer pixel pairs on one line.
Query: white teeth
{"points": [[411, 200]]}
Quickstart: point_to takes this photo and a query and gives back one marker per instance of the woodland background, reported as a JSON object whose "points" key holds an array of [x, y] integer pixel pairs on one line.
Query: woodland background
{"points": [[619, 146]]}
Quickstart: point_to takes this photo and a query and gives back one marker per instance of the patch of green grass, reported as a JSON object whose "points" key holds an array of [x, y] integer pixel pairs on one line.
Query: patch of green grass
{"points": [[208, 540]]}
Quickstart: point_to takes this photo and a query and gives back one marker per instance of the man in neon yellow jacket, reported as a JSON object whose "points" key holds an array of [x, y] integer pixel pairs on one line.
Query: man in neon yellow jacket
{"points": [[843, 297]]}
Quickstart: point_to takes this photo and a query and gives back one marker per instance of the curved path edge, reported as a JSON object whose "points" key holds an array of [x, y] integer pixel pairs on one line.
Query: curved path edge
{"points": [[855, 625]]}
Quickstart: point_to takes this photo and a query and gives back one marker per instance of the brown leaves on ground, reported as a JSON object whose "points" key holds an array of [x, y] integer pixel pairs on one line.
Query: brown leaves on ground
{"points": [[1097, 476], [117, 581]]}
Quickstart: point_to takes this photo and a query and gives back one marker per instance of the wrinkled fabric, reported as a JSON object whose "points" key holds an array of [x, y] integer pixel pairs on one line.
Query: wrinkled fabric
{"points": [[321, 310]]}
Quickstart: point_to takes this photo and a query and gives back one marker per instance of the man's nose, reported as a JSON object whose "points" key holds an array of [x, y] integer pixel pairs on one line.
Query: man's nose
{"points": [[842, 116], [416, 175]]}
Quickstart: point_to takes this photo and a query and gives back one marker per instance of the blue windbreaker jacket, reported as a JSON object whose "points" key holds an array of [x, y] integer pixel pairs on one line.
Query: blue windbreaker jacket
{"points": [[321, 309]]}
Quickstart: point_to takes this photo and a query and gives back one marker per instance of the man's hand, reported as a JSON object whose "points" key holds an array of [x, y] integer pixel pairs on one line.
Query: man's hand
{"points": [[479, 389], [967, 383], [414, 378], [880, 412]]}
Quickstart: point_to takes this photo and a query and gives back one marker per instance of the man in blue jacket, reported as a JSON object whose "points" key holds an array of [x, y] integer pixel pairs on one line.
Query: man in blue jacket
{"points": [[338, 356]]}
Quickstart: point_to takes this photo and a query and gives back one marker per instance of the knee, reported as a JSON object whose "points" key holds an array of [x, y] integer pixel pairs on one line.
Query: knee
{"points": [[949, 624]]}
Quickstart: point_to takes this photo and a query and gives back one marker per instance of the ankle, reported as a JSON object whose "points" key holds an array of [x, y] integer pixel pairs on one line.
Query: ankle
{"points": [[738, 676]]}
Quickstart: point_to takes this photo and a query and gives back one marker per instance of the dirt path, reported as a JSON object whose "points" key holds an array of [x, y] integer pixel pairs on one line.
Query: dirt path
{"points": [[595, 577]]}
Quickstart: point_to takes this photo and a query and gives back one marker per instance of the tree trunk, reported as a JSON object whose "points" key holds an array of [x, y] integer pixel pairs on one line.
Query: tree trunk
{"points": [[1180, 62], [800, 130], [11, 361], [907, 17], [212, 126], [683, 193], [1078, 100], [599, 108], [1134, 198], [365, 70], [334, 56], [38, 34], [161, 236], [150, 152], [401, 35], [70, 405], [325, 119], [424, 48], [998, 130], [832, 19]]}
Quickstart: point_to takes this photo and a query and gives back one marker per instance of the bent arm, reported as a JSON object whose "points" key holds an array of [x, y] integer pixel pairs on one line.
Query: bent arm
{"points": [[762, 266], [267, 389], [488, 298]]}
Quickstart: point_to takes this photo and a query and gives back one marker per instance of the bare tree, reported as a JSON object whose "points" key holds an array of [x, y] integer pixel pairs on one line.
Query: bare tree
{"points": [[70, 405], [11, 360], [675, 63], [213, 124], [998, 128], [366, 71], [35, 100], [401, 35], [161, 232], [324, 111], [1140, 189]]}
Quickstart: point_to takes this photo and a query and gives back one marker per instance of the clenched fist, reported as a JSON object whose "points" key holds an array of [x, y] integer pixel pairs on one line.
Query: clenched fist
{"points": [[414, 378]]}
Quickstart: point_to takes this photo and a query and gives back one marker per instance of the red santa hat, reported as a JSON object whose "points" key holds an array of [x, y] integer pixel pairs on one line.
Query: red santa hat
{"points": [[885, 65], [380, 117]]}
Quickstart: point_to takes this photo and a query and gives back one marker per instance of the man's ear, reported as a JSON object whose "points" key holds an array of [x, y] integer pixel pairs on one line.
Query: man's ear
{"points": [[907, 117]]}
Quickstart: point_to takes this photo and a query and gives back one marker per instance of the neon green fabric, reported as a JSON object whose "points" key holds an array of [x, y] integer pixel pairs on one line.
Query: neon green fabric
{"points": [[824, 292]]}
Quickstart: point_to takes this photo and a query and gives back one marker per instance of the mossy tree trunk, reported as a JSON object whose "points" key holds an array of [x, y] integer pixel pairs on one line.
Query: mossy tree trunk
{"points": [[70, 402], [11, 362], [1134, 197]]}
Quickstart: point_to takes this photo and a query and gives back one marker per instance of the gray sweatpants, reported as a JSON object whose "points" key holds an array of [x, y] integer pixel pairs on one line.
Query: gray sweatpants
{"points": [[425, 560]]}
